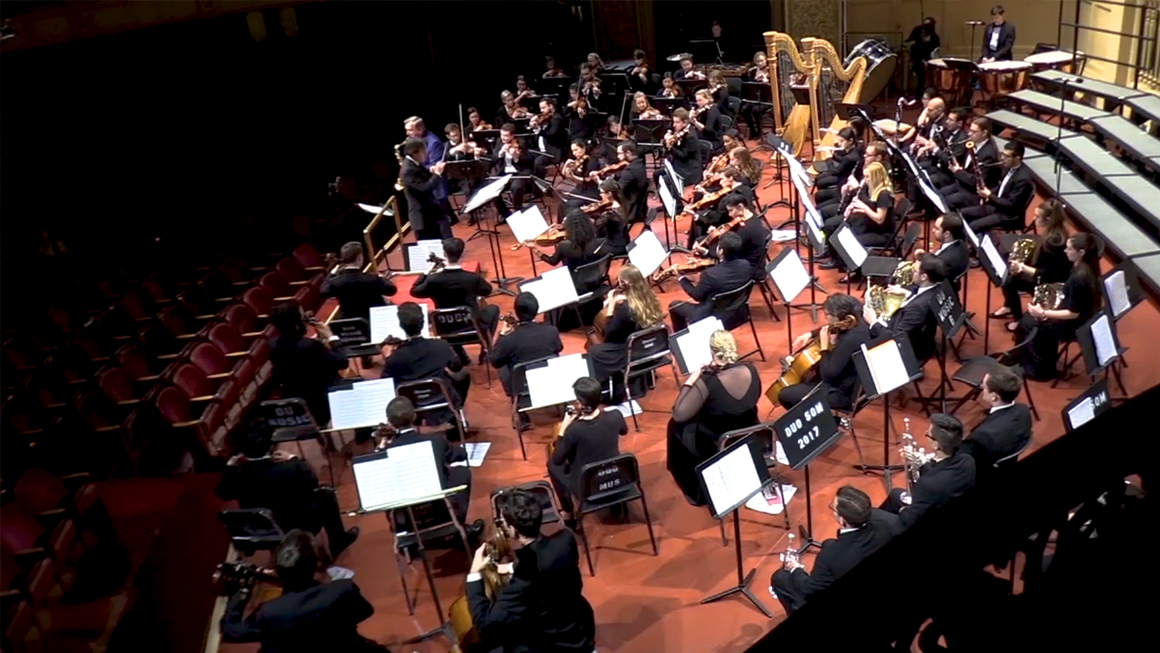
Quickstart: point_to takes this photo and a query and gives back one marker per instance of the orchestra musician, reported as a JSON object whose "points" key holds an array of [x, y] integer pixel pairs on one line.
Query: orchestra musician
{"points": [[579, 247], [873, 153], [452, 287], [417, 129], [684, 149], [948, 475], [523, 90], [909, 132], [421, 187], [842, 336], [511, 110], [862, 530], [982, 155], [751, 113], [922, 138], [579, 170], [998, 38], [707, 119], [730, 183], [641, 78], [590, 87], [595, 63], [948, 232], [845, 158], [511, 158], [750, 229], [759, 71], [542, 608], [1006, 206], [1081, 299], [524, 341], [669, 87], [1007, 427], [642, 110], [579, 121], [1048, 264], [552, 70], [459, 149], [937, 163], [421, 359], [714, 400], [305, 367], [870, 213], [719, 91], [686, 71], [588, 434], [633, 179], [730, 273], [630, 307], [916, 318], [551, 135], [475, 120], [612, 221], [355, 290], [614, 132]]}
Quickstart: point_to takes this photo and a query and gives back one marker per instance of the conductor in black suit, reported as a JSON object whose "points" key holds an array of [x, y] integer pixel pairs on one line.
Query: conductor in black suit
{"points": [[309, 615], [684, 150], [730, 274], [916, 318], [419, 186], [963, 191], [951, 473], [356, 291], [524, 342], [948, 232], [998, 38], [708, 120], [453, 287], [1007, 427], [1006, 206], [542, 608], [401, 417], [862, 530], [633, 180]]}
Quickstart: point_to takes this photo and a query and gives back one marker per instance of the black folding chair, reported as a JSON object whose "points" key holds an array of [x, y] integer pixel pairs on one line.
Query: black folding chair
{"points": [[590, 275], [733, 308], [459, 327], [608, 483], [431, 398], [973, 370], [252, 529], [648, 351], [882, 267], [521, 399], [542, 490]]}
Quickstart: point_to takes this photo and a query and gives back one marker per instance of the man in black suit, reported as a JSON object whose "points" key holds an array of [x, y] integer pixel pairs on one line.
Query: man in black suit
{"points": [[526, 341], [684, 152], [419, 186], [421, 359], [948, 148], [401, 418], [752, 231], [453, 287], [355, 290], [916, 318], [963, 191], [951, 473], [1007, 427], [708, 120], [542, 608], [308, 616], [633, 179], [862, 530], [305, 367], [512, 158], [730, 274], [948, 232], [551, 136], [998, 38], [1006, 206]]}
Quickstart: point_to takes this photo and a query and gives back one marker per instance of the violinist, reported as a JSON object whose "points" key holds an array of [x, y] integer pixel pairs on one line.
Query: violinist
{"points": [[550, 133], [630, 307], [640, 76], [750, 168], [452, 287], [595, 63], [731, 139], [475, 120], [687, 71], [579, 247], [523, 340], [511, 110], [841, 164], [613, 219], [707, 119], [523, 91], [750, 229], [712, 216], [633, 181], [578, 170], [759, 71], [511, 158], [683, 148], [669, 87], [420, 359], [719, 90], [642, 110], [460, 150], [588, 434], [730, 273], [948, 146], [590, 87], [579, 121], [1047, 264], [714, 400], [839, 340], [552, 70]]}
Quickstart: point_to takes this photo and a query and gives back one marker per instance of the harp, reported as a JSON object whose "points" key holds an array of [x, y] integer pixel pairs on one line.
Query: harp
{"points": [[789, 69], [835, 84]]}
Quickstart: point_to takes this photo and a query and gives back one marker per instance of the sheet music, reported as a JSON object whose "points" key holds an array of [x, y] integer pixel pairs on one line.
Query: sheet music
{"points": [[476, 451], [995, 258], [553, 289], [694, 344], [419, 253], [817, 237], [486, 193], [886, 366], [1104, 342], [971, 235], [364, 404], [385, 322], [812, 214], [854, 249], [790, 276], [1116, 285], [797, 173], [527, 224], [932, 195], [647, 253], [667, 199], [406, 472], [731, 480], [369, 208], [551, 384], [1081, 413]]}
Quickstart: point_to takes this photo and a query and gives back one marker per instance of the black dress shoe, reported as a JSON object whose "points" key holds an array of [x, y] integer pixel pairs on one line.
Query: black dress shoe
{"points": [[828, 265]]}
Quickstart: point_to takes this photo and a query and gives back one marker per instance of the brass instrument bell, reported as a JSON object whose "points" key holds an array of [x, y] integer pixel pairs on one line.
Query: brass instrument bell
{"points": [[905, 273], [883, 302], [1022, 250], [1048, 296]]}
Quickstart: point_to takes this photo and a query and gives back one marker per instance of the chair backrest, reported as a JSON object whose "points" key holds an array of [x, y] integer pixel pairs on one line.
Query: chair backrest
{"points": [[732, 306], [542, 490], [173, 404], [116, 385], [259, 300], [456, 325], [192, 381], [648, 349], [908, 241], [592, 274], [903, 208], [217, 285], [176, 319], [1013, 354], [134, 361], [726, 121], [706, 148], [276, 284], [308, 256], [210, 359], [40, 491], [425, 394], [226, 338], [290, 268], [432, 519], [604, 479], [242, 317]]}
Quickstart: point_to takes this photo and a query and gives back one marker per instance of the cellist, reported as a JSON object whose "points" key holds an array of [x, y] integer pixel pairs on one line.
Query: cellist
{"points": [[842, 336]]}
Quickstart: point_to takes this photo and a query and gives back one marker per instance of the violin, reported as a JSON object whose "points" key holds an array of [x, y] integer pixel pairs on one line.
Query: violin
{"points": [[572, 166], [608, 169], [672, 140], [546, 239], [717, 232], [693, 264], [596, 207], [539, 119], [705, 202]]}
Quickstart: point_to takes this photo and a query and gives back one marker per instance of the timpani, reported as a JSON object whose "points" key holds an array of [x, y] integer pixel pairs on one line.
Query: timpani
{"points": [[952, 82], [1061, 60], [1003, 77]]}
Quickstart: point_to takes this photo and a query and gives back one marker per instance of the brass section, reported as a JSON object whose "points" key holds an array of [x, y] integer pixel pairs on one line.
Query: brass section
{"points": [[785, 61], [1023, 250], [905, 272], [883, 302]]}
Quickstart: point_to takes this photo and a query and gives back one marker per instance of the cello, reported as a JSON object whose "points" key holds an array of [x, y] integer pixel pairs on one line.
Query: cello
{"points": [[495, 577], [800, 365]]}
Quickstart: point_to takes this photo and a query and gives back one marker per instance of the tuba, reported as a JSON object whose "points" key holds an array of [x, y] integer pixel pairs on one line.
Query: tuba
{"points": [[884, 302], [905, 272], [399, 156], [1048, 295], [1023, 250]]}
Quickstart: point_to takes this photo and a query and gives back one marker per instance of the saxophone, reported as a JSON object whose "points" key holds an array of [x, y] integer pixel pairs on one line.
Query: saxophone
{"points": [[1048, 295], [399, 156]]}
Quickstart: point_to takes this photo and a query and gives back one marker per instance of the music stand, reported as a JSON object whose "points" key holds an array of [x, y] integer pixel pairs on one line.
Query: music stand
{"points": [[950, 317], [1122, 289], [849, 250], [729, 479], [847, 110], [898, 367], [354, 337], [994, 265], [668, 104], [1092, 403], [1100, 347], [790, 277], [484, 195], [690, 345], [292, 421], [758, 95], [805, 431]]}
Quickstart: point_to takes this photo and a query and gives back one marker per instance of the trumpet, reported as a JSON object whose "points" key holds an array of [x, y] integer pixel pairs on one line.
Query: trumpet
{"points": [[913, 457]]}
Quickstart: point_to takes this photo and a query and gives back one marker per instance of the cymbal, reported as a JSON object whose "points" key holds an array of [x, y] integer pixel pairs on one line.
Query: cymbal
{"points": [[678, 57]]}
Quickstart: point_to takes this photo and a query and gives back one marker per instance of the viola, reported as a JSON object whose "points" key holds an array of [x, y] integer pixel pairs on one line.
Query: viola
{"points": [[693, 264], [608, 169]]}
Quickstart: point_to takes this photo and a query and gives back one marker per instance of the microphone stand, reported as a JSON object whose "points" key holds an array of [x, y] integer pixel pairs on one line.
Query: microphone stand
{"points": [[974, 24]]}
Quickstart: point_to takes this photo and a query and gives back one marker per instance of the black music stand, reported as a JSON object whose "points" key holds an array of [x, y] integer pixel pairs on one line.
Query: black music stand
{"points": [[786, 271], [847, 110], [492, 235], [871, 391], [951, 317], [853, 260], [758, 95], [1102, 328], [1121, 287], [805, 432], [484, 137], [996, 268], [784, 151], [354, 337], [691, 85], [1091, 404], [732, 491], [668, 104]]}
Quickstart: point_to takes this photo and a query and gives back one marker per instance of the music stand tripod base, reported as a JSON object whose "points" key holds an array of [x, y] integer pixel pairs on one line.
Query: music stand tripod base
{"points": [[742, 586]]}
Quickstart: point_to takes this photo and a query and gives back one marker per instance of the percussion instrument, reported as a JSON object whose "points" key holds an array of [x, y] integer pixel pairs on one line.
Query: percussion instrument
{"points": [[1003, 77], [881, 62], [1061, 60], [677, 57], [889, 127], [951, 78]]}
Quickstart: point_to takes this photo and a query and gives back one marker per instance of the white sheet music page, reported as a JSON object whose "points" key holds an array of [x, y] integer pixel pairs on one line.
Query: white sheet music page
{"points": [[1116, 286], [731, 479], [674, 176], [345, 409], [553, 289], [854, 249], [407, 472], [994, 257], [647, 253], [1103, 340], [670, 203], [694, 345], [419, 253], [374, 395], [1081, 413], [385, 322], [486, 193], [886, 366], [370, 208], [527, 224], [932, 195], [551, 384], [790, 276], [812, 214]]}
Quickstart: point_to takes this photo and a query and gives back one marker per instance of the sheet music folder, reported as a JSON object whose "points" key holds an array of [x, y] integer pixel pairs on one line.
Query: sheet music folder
{"points": [[734, 475], [550, 382], [879, 364]]}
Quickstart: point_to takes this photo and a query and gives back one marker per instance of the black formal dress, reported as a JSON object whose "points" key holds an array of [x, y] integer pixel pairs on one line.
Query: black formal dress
{"points": [[608, 358], [836, 557], [938, 483], [542, 609], [445, 454], [305, 369], [324, 617], [838, 375], [998, 41], [454, 287], [573, 256], [714, 130], [1081, 295], [916, 320], [1004, 431], [528, 342], [869, 232], [612, 225], [716, 404], [723, 277], [828, 185], [1051, 266], [425, 214], [585, 442], [357, 292]]}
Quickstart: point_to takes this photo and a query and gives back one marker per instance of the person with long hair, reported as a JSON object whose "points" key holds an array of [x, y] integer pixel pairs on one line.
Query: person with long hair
{"points": [[642, 110], [580, 246], [1048, 263], [475, 120], [719, 89], [1080, 301], [630, 307], [579, 169], [612, 223], [750, 168], [871, 212], [843, 335], [510, 110]]}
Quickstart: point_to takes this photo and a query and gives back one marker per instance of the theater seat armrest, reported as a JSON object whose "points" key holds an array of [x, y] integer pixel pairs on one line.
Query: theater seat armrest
{"points": [[169, 357], [314, 268], [203, 398], [50, 518], [284, 299], [31, 556], [129, 402], [186, 425], [237, 354], [148, 379], [107, 429], [222, 375]]}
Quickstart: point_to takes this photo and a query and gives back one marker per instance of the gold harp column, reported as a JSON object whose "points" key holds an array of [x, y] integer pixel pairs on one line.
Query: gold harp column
{"points": [[817, 18]]}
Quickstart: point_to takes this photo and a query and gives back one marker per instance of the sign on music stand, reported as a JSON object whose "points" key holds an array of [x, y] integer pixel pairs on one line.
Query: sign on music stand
{"points": [[883, 367], [1094, 402], [805, 431]]}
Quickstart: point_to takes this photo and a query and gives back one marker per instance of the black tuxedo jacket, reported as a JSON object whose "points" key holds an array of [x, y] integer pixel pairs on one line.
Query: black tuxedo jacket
{"points": [[284, 488], [525, 165], [530, 341], [419, 185], [445, 452], [452, 288], [723, 277], [1000, 434], [844, 552], [322, 618], [917, 321], [1016, 196], [842, 164], [357, 292], [938, 483], [988, 158], [686, 158], [958, 260], [555, 133], [633, 181], [1006, 42], [542, 609], [953, 149], [714, 129], [421, 358]]}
